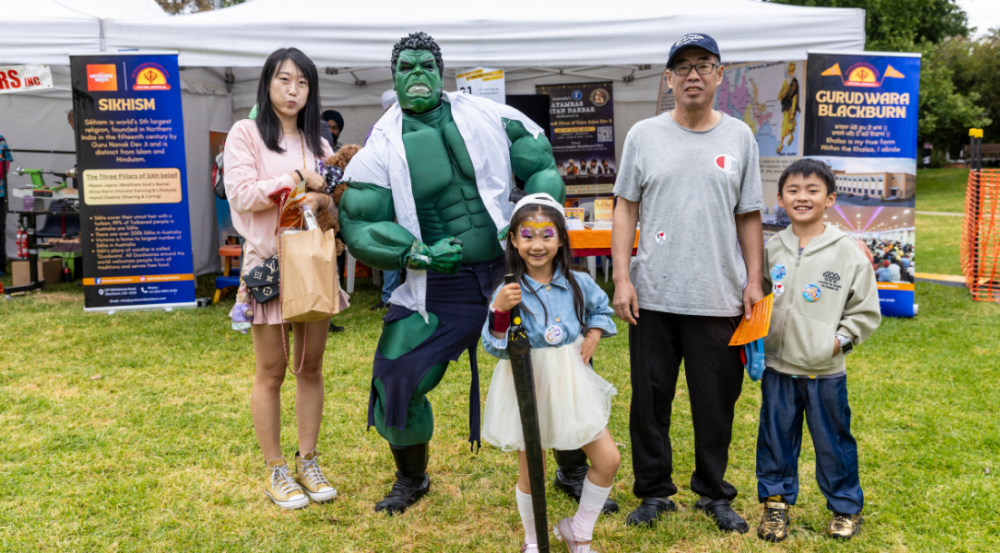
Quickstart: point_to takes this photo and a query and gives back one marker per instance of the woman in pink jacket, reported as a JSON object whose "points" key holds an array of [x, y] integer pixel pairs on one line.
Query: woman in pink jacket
{"points": [[263, 158]]}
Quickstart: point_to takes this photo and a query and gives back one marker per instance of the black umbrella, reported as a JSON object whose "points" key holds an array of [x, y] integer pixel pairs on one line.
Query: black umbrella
{"points": [[519, 351]]}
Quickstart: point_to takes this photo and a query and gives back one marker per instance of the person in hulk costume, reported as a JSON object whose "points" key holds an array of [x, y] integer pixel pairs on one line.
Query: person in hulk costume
{"points": [[428, 193]]}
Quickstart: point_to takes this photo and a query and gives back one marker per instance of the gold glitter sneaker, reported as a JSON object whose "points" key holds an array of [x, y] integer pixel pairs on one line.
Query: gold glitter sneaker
{"points": [[281, 488], [844, 526], [774, 525], [310, 477]]}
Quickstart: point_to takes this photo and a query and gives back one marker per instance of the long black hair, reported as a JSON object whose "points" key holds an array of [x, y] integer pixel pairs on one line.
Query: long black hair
{"points": [[308, 120], [562, 260]]}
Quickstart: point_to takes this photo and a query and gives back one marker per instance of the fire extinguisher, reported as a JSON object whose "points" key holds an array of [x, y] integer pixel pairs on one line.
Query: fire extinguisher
{"points": [[22, 243]]}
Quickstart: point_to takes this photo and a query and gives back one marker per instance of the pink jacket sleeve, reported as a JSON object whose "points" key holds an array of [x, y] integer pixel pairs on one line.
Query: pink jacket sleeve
{"points": [[244, 189]]}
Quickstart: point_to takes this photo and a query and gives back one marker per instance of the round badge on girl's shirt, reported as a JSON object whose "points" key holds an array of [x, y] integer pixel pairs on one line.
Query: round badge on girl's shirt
{"points": [[778, 271], [779, 288], [811, 293], [554, 335]]}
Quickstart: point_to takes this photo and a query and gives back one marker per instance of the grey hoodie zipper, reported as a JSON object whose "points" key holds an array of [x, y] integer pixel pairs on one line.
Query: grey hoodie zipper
{"points": [[784, 323]]}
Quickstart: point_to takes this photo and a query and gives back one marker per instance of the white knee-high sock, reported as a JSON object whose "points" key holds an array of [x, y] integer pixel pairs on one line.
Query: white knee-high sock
{"points": [[527, 516], [591, 502]]}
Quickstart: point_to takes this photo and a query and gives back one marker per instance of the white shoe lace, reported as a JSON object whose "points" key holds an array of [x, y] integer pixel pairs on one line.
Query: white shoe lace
{"points": [[282, 482], [313, 475]]}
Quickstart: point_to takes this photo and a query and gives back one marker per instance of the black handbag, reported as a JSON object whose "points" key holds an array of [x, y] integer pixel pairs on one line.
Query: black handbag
{"points": [[262, 280], [219, 186]]}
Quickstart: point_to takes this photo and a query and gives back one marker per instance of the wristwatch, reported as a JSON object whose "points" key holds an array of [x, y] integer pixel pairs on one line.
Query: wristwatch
{"points": [[846, 345]]}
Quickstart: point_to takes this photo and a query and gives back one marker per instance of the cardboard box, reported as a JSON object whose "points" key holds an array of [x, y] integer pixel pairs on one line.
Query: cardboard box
{"points": [[19, 273], [48, 269]]}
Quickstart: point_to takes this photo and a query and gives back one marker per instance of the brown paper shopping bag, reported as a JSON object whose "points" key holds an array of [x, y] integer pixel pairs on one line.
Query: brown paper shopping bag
{"points": [[309, 288]]}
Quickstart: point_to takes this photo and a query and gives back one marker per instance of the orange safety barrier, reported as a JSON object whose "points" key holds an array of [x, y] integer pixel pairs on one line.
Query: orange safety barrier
{"points": [[980, 248]]}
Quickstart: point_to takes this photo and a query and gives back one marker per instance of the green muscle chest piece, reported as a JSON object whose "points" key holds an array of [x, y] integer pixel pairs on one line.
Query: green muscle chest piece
{"points": [[444, 185]]}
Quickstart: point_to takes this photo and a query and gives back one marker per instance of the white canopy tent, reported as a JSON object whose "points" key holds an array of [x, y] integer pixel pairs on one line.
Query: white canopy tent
{"points": [[542, 42], [515, 33], [44, 32], [535, 42]]}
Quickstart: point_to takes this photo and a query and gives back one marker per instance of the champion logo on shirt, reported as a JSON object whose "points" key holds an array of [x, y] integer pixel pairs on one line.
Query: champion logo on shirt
{"points": [[726, 163]]}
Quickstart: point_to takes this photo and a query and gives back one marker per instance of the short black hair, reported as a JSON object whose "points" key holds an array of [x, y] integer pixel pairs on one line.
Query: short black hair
{"points": [[417, 41], [807, 168]]}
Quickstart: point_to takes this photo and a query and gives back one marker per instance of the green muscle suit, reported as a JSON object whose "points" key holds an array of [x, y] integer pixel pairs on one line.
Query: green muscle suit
{"points": [[455, 228], [448, 206]]}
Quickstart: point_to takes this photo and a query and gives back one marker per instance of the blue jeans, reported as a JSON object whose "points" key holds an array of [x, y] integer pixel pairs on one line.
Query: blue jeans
{"points": [[823, 401], [392, 280]]}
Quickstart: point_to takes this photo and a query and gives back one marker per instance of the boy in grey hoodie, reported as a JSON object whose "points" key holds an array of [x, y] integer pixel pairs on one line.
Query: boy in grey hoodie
{"points": [[826, 302]]}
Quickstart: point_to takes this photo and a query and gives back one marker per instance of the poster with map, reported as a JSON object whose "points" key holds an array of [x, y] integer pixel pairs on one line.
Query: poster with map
{"points": [[769, 97]]}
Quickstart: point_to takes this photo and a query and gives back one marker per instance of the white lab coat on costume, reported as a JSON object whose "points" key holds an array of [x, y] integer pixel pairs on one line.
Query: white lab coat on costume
{"points": [[382, 162]]}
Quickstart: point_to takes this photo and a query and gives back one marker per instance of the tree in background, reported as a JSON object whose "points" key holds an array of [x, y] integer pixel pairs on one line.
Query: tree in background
{"points": [[937, 29], [975, 66]]}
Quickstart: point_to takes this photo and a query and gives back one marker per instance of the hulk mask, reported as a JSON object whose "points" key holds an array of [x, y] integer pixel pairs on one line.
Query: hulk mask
{"points": [[417, 80]]}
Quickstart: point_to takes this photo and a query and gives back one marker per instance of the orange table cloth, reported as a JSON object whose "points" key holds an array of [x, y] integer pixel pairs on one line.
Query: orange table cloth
{"points": [[587, 243]]}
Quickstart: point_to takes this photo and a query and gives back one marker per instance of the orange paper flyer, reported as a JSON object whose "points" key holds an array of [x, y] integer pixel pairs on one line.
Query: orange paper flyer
{"points": [[757, 325]]}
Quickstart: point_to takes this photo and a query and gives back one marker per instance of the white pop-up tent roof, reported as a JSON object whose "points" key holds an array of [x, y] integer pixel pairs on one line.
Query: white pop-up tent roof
{"points": [[536, 42], [43, 31], [515, 33]]}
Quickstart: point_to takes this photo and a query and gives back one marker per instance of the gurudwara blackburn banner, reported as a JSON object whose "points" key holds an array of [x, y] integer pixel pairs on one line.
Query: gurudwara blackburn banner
{"points": [[861, 120]]}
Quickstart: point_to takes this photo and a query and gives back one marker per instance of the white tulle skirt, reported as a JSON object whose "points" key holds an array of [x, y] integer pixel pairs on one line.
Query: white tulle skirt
{"points": [[574, 403]]}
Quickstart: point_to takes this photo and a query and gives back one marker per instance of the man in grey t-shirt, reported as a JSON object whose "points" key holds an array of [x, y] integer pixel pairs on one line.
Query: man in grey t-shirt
{"points": [[692, 177]]}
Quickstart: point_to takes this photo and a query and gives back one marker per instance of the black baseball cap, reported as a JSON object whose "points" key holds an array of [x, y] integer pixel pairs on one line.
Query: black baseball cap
{"points": [[693, 40]]}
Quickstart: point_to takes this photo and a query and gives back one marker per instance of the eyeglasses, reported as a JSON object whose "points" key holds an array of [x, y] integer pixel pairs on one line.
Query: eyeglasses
{"points": [[683, 69]]}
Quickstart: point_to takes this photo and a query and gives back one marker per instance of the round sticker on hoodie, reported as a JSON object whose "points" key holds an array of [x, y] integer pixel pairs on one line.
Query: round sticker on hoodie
{"points": [[779, 288], [811, 293], [778, 271]]}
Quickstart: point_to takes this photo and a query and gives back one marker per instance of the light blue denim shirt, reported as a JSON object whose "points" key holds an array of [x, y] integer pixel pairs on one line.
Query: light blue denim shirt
{"points": [[558, 299]]}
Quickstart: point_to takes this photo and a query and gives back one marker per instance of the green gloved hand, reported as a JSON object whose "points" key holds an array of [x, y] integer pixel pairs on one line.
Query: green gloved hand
{"points": [[444, 256]]}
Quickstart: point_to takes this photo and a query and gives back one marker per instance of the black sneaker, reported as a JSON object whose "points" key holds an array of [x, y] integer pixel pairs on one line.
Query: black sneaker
{"points": [[379, 305], [649, 511], [335, 328], [725, 517]]}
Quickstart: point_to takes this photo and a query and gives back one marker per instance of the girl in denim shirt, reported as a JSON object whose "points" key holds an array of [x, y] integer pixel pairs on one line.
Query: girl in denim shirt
{"points": [[565, 314]]}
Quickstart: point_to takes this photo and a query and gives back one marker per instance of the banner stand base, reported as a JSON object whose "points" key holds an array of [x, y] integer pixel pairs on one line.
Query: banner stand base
{"points": [[167, 307]]}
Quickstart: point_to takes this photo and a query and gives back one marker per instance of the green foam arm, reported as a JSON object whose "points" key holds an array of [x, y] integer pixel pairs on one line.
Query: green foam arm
{"points": [[532, 161], [366, 222]]}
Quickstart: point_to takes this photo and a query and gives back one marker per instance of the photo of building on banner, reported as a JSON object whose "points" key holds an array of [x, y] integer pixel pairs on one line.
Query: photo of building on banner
{"points": [[861, 120], [136, 232], [768, 97], [581, 118]]}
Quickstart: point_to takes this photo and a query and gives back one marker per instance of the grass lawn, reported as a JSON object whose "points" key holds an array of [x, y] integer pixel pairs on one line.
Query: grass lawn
{"points": [[132, 432], [942, 190]]}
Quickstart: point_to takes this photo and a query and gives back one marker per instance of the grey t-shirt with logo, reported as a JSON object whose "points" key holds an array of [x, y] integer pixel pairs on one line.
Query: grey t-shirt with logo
{"points": [[690, 185]]}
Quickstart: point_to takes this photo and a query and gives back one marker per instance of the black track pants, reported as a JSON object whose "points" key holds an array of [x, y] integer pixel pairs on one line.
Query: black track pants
{"points": [[714, 377]]}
